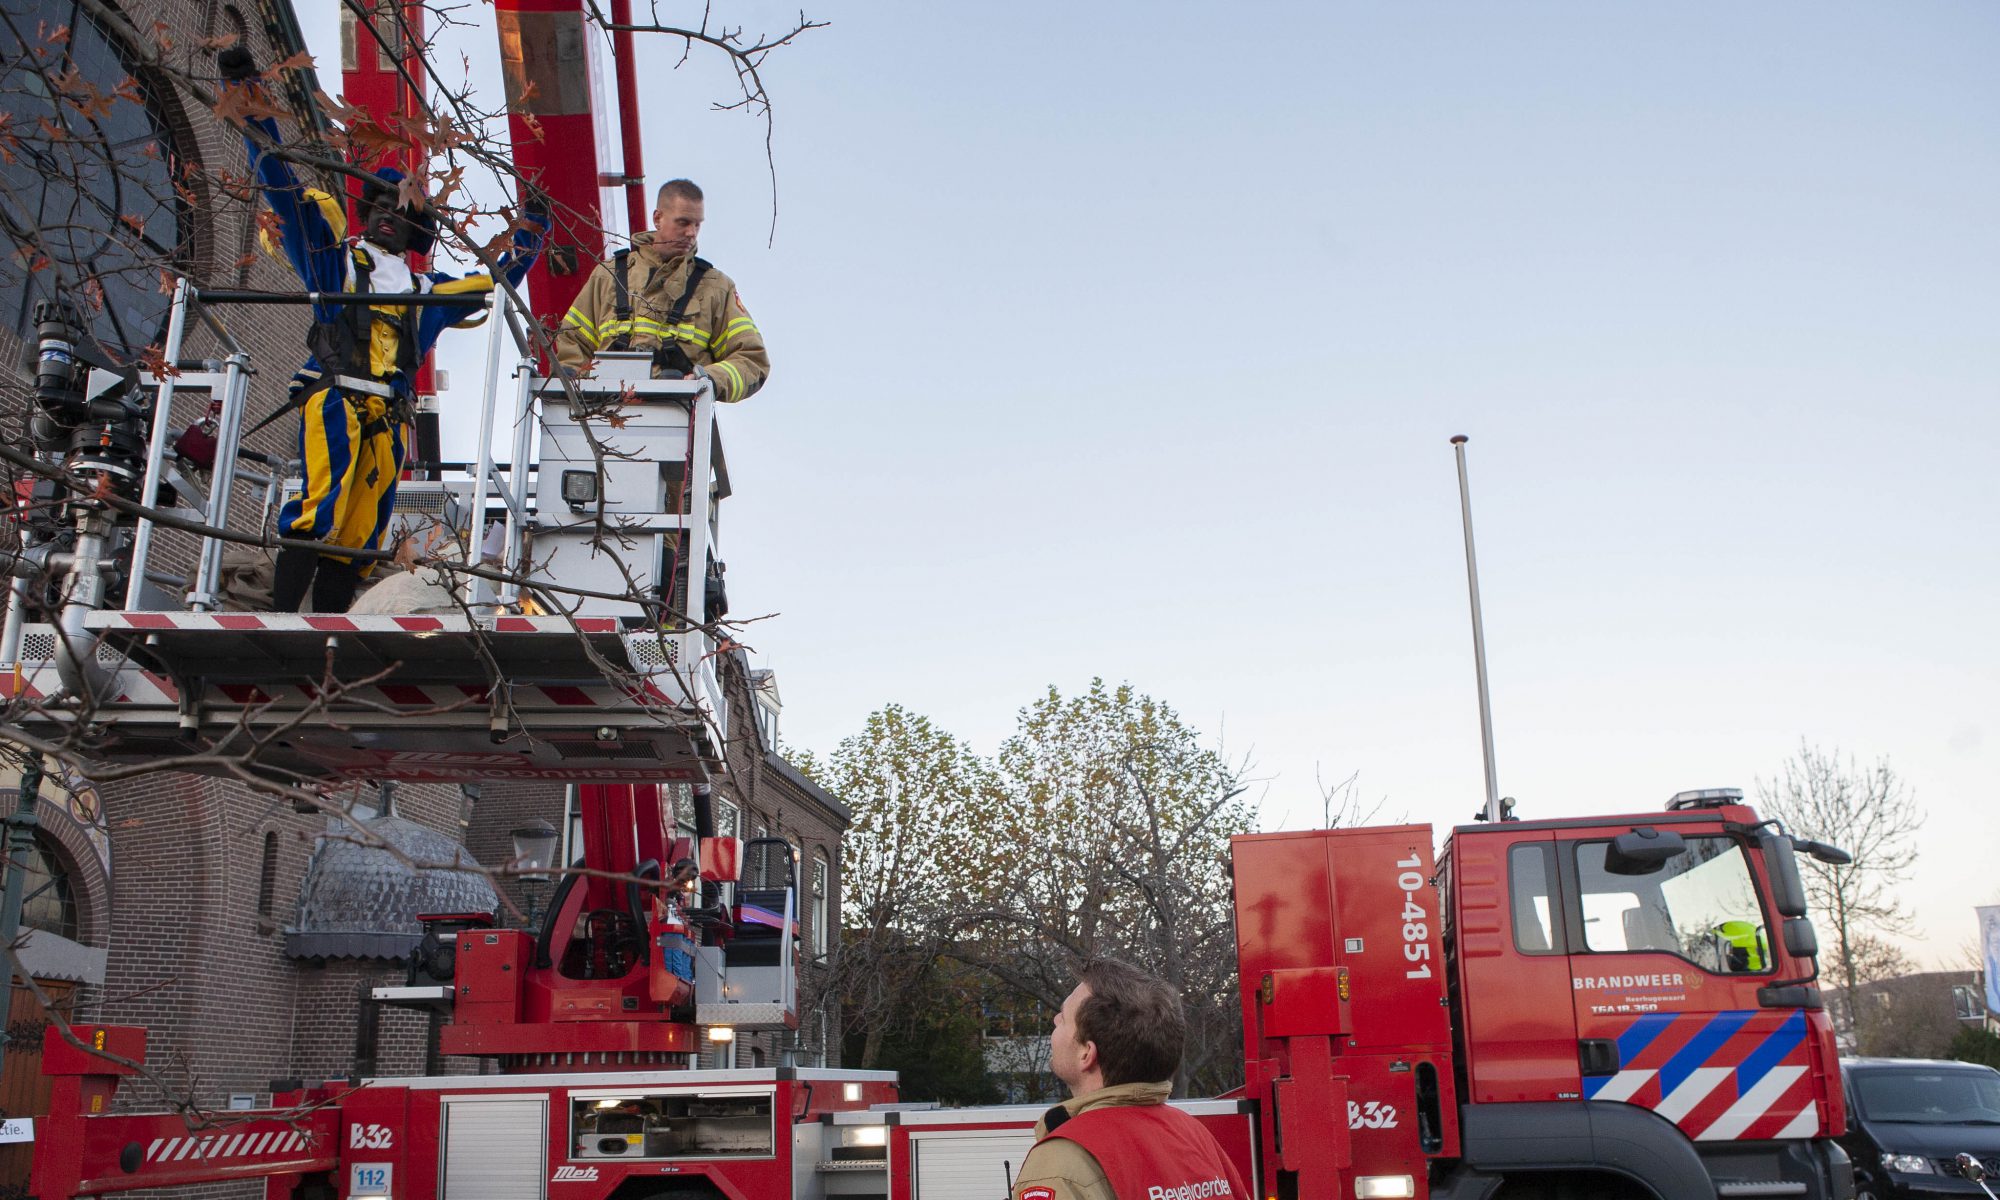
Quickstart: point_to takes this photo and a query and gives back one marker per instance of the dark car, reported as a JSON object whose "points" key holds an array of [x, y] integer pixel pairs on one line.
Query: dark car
{"points": [[1908, 1120]]}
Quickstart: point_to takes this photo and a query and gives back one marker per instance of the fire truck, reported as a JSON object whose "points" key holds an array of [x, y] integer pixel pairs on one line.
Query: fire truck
{"points": [[1601, 1007], [1593, 1007]]}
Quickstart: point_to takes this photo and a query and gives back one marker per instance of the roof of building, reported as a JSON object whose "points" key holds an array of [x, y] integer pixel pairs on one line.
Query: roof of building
{"points": [[813, 791], [366, 886]]}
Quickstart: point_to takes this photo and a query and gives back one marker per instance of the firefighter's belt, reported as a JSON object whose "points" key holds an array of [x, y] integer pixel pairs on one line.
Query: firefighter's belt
{"points": [[354, 383]]}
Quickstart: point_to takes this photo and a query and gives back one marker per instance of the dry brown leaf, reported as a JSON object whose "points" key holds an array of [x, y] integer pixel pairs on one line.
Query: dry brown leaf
{"points": [[343, 113], [410, 193]]}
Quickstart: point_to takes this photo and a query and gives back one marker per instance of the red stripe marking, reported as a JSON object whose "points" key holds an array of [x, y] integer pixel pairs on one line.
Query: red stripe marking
{"points": [[569, 697], [147, 621], [420, 624], [1795, 1100], [1712, 1106], [243, 693], [239, 621], [476, 692], [331, 624], [405, 693]]}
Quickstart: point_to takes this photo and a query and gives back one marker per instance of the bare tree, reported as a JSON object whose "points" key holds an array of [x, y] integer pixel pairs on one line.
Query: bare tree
{"points": [[1870, 813]]}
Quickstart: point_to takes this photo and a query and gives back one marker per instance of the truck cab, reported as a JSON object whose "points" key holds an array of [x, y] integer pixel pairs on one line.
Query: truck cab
{"points": [[1602, 1006]]}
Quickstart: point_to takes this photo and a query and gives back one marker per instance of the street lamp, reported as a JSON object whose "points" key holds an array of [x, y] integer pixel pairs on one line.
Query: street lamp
{"points": [[534, 855]]}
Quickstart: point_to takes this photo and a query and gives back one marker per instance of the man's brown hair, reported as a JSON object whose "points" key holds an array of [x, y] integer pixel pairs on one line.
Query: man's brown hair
{"points": [[683, 188], [1135, 1019]]}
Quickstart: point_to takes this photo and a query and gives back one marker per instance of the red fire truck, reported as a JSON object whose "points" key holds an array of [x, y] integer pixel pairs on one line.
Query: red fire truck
{"points": [[1606, 1006]]}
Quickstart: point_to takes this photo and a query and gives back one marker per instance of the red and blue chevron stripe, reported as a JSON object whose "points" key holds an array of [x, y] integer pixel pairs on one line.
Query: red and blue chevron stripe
{"points": [[1740, 1075]]}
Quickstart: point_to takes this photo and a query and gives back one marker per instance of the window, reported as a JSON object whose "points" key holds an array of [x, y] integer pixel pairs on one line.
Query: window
{"points": [[819, 931], [718, 1124], [1528, 874], [48, 902], [86, 188], [1966, 1002], [572, 848], [1927, 1096], [683, 802], [727, 818], [267, 885], [1701, 905]]}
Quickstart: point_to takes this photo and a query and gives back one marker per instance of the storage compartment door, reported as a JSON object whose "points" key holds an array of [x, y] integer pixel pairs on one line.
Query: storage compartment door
{"points": [[949, 1164], [495, 1149]]}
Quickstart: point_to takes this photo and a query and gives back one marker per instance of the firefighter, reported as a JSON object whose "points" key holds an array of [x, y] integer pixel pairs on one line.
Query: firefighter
{"points": [[1745, 946], [355, 394], [1116, 1046], [658, 296]]}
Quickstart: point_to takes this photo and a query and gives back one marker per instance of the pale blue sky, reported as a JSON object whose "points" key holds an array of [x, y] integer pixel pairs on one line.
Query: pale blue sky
{"points": [[1126, 340]]}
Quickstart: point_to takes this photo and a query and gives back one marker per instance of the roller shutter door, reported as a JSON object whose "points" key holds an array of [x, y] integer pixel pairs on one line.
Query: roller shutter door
{"points": [[972, 1164], [495, 1149]]}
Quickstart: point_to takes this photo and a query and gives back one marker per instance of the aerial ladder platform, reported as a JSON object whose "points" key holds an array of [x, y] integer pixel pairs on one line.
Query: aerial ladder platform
{"points": [[584, 650]]}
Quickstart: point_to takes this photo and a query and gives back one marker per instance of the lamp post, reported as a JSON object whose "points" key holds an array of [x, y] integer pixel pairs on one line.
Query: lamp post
{"points": [[534, 855]]}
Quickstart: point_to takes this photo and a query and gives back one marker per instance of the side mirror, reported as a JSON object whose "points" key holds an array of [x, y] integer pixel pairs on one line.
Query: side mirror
{"points": [[1800, 939], [1788, 894], [1970, 1167], [1831, 855], [1643, 851]]}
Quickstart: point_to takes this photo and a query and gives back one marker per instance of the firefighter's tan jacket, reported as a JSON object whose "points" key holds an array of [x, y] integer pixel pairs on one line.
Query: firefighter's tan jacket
{"points": [[716, 331], [1058, 1168]]}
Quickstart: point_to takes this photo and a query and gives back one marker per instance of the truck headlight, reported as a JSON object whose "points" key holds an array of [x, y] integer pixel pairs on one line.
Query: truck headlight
{"points": [[1909, 1164]]}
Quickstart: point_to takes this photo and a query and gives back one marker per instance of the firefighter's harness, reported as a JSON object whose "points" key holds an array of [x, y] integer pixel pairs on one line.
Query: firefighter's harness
{"points": [[669, 355], [342, 347]]}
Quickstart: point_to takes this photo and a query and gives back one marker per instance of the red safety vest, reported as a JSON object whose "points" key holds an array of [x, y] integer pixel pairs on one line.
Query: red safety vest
{"points": [[1155, 1152]]}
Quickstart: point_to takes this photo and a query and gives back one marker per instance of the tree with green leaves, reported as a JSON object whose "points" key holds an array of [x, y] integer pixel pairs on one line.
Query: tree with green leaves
{"points": [[1101, 828], [1113, 840], [917, 795]]}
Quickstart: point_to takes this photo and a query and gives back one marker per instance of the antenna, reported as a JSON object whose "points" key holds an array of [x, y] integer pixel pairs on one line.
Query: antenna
{"points": [[1493, 810]]}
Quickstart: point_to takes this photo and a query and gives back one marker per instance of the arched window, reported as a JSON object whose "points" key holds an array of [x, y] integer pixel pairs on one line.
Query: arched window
{"points": [[48, 901], [87, 197], [820, 934]]}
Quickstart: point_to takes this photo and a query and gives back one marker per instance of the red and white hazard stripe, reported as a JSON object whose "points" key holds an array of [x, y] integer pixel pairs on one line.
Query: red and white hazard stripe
{"points": [[212, 1146]]}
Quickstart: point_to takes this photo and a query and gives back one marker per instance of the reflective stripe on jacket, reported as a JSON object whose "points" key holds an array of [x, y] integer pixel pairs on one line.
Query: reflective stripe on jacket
{"points": [[716, 331]]}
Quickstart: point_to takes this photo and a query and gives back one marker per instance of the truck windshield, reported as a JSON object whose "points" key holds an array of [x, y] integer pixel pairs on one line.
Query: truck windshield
{"points": [[1701, 905], [1929, 1097]]}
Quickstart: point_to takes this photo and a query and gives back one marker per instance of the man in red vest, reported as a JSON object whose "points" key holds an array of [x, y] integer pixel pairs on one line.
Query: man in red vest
{"points": [[1116, 1046]]}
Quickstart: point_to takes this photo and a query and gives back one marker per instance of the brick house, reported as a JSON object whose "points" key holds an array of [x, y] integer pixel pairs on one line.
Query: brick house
{"points": [[1908, 1016]]}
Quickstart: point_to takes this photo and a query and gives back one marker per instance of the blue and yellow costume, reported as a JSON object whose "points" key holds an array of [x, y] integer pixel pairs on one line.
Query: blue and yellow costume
{"points": [[359, 384]]}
